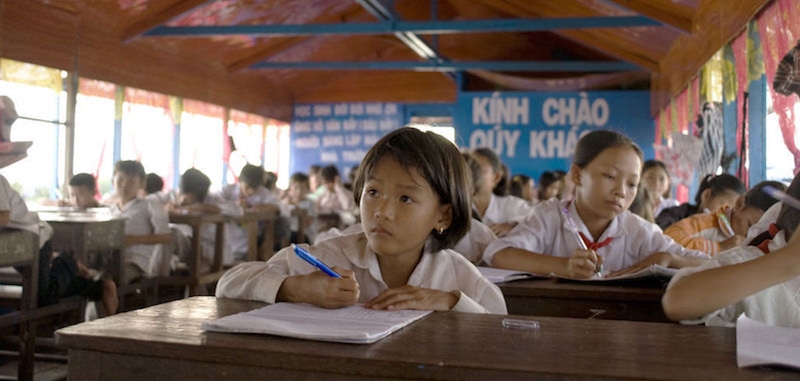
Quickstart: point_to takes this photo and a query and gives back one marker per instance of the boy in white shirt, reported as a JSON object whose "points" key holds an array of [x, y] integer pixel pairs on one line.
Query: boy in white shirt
{"points": [[336, 199], [250, 193], [147, 233]]}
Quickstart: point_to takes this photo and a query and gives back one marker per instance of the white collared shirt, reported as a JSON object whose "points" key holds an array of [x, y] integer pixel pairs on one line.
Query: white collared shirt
{"points": [[503, 209], [144, 217], [546, 231], [236, 237], [445, 270], [19, 216], [778, 305]]}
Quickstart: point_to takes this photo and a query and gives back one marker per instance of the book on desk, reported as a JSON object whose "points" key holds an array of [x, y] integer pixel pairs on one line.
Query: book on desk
{"points": [[761, 344], [354, 324], [497, 275]]}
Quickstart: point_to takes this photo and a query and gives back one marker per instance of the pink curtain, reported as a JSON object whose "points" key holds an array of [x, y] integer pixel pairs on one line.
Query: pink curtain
{"points": [[779, 31]]}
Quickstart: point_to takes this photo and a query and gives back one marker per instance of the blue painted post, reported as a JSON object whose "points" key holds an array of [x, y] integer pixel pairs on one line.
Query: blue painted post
{"points": [[119, 100], [757, 118], [730, 121], [176, 153]]}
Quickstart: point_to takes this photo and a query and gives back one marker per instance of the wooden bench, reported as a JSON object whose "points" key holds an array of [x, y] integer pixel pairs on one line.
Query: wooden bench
{"points": [[21, 249]]}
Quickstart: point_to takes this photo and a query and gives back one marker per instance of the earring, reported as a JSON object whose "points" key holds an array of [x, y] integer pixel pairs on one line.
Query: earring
{"points": [[441, 230]]}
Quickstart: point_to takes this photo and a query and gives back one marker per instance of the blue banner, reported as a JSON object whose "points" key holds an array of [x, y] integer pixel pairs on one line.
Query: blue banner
{"points": [[537, 132], [339, 133]]}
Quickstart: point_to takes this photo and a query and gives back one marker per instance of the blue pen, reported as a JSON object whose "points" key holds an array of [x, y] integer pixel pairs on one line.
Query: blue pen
{"points": [[306, 256]]}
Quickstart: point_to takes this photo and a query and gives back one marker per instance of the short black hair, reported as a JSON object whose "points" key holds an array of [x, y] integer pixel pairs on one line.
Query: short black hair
{"points": [[649, 164], [757, 198], [330, 173], [439, 163], [85, 180], [153, 183], [719, 184], [251, 175], [130, 167], [518, 183], [592, 144], [195, 183], [546, 179], [299, 177]]}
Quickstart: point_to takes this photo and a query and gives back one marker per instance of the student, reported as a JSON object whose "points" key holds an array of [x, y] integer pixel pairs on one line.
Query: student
{"points": [[147, 234], [642, 204], [523, 186], [335, 199], [606, 171], [297, 199], [154, 188], [655, 177], [315, 181], [727, 227], [500, 213], [714, 191], [549, 185], [82, 190], [249, 193], [58, 277], [195, 198], [761, 280], [415, 204], [566, 190]]}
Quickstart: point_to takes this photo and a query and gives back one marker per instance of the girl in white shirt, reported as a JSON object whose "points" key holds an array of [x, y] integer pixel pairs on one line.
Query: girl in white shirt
{"points": [[655, 177], [413, 194], [606, 171], [500, 213], [761, 280]]}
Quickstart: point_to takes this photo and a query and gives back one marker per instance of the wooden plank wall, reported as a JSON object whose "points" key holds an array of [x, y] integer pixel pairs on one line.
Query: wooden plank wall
{"points": [[72, 41]]}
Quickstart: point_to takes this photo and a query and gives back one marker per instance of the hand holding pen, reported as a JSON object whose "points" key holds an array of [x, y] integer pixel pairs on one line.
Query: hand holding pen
{"points": [[577, 265], [331, 288]]}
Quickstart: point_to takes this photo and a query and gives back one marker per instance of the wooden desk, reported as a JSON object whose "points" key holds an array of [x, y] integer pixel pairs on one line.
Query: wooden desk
{"points": [[639, 301], [84, 232], [21, 249], [165, 342], [195, 278], [251, 219]]}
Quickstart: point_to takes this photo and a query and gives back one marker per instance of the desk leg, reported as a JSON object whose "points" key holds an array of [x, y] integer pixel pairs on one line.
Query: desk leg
{"points": [[219, 247], [268, 245], [252, 240], [27, 329]]}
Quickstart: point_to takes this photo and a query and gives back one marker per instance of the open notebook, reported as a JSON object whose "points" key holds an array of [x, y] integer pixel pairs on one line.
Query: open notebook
{"points": [[354, 324], [761, 344], [654, 271]]}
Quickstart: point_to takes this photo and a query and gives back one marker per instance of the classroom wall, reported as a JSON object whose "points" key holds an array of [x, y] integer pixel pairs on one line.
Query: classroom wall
{"points": [[532, 132]]}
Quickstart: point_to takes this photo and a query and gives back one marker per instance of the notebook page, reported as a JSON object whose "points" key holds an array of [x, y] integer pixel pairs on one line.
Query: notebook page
{"points": [[354, 324], [761, 344]]}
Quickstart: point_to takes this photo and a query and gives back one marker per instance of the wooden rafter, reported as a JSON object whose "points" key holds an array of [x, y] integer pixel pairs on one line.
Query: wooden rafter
{"points": [[276, 46], [665, 11], [171, 12], [589, 39]]}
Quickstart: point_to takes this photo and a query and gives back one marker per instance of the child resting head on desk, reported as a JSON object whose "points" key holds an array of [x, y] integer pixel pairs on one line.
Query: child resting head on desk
{"points": [[413, 191], [573, 239], [727, 226], [761, 280]]}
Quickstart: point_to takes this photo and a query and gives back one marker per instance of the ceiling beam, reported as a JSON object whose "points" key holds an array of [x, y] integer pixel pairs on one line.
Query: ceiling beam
{"points": [[451, 66], [415, 27], [172, 12], [665, 11]]}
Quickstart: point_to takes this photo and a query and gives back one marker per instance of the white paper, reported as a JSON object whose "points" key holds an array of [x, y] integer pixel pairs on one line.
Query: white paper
{"points": [[354, 324], [654, 271], [761, 344], [496, 275]]}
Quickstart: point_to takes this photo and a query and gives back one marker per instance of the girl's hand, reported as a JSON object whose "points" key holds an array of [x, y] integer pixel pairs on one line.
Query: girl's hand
{"points": [[732, 242], [660, 258], [500, 230], [583, 264], [320, 289], [414, 298]]}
